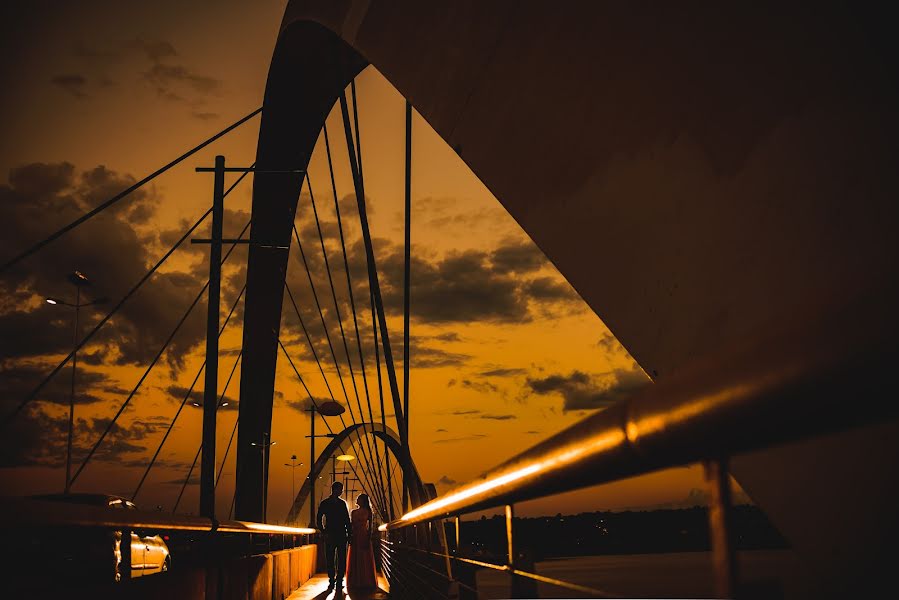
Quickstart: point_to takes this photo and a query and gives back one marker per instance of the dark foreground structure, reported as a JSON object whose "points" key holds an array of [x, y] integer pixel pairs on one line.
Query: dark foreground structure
{"points": [[715, 181]]}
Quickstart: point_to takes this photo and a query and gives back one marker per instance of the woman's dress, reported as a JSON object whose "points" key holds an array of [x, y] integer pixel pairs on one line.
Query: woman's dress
{"points": [[360, 560]]}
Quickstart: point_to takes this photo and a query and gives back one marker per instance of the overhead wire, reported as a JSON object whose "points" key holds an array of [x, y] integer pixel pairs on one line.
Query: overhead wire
{"points": [[183, 402], [156, 358], [35, 391], [92, 213]]}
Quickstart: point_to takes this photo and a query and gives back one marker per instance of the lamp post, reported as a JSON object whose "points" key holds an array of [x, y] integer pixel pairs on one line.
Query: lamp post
{"points": [[344, 458], [327, 409], [293, 465], [79, 280], [264, 445]]}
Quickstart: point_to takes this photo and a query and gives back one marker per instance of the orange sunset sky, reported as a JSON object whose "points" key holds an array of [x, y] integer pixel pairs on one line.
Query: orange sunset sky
{"points": [[98, 94]]}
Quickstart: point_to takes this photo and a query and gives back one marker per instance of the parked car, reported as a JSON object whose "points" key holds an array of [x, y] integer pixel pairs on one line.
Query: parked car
{"points": [[149, 552]]}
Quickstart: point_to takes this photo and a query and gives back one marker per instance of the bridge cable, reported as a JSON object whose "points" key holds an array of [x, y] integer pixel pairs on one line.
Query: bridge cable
{"points": [[159, 354], [314, 354], [359, 162], [374, 328], [407, 268], [358, 141], [11, 262], [325, 327], [349, 284], [8, 419], [373, 275], [328, 425], [346, 348], [233, 429], [183, 402], [303, 382], [187, 479]]}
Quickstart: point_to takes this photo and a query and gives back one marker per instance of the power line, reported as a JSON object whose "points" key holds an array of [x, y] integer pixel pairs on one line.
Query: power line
{"points": [[123, 194], [184, 401], [159, 354], [112, 312]]}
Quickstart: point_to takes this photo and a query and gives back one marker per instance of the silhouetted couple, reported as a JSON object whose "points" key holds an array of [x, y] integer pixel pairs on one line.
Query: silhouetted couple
{"points": [[340, 528]]}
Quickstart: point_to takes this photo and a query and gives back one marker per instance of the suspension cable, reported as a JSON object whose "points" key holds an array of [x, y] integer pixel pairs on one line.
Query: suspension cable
{"points": [[112, 312], [346, 261], [314, 354], [123, 194], [372, 269], [346, 348], [187, 479], [374, 328], [234, 429], [183, 402], [328, 425], [322, 317], [159, 354], [325, 327]]}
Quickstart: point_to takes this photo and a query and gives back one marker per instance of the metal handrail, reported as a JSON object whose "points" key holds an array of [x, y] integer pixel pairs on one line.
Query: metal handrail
{"points": [[596, 593], [773, 389], [26, 513]]}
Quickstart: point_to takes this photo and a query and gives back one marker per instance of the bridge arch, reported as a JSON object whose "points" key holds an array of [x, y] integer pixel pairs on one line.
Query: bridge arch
{"points": [[382, 432]]}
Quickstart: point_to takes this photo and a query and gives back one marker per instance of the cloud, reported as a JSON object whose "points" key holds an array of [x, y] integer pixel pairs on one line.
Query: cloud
{"points": [[518, 257], [427, 357], [485, 387], [465, 412], [446, 480], [72, 83], [464, 438], [20, 380], [610, 344], [173, 82], [581, 391], [441, 430], [532, 432], [303, 406], [503, 372], [499, 417]]}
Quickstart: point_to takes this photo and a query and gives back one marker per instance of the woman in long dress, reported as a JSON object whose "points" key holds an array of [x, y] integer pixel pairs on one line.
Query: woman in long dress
{"points": [[360, 567]]}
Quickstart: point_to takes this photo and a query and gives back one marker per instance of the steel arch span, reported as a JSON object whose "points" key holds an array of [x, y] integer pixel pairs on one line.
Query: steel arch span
{"points": [[417, 491]]}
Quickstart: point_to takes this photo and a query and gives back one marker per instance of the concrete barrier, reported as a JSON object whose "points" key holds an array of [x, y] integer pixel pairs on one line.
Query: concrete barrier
{"points": [[259, 577], [262, 577], [281, 575]]}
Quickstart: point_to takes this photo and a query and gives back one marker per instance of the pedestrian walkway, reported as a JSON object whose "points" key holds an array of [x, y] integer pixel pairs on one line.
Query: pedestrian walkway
{"points": [[317, 589]]}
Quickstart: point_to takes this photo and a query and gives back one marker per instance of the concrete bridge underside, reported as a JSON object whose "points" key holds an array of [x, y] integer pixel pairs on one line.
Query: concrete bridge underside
{"points": [[697, 172]]}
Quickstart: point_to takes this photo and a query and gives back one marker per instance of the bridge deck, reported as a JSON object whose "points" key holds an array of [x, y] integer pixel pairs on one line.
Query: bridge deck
{"points": [[317, 589]]}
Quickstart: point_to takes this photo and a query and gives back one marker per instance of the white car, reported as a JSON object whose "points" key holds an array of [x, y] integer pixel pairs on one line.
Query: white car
{"points": [[149, 553]]}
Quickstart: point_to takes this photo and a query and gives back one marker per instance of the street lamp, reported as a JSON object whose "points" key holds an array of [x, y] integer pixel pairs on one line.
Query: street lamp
{"points": [[327, 409], [293, 465], [79, 280], [264, 445], [199, 404]]}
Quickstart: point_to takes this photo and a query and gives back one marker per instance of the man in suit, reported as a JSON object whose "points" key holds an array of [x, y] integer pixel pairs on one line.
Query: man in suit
{"points": [[334, 520]]}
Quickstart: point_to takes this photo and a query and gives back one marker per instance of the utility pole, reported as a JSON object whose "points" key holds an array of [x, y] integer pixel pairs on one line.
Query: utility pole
{"points": [[210, 391]]}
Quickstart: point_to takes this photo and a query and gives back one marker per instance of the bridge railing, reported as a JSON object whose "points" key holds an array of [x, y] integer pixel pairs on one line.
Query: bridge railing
{"points": [[218, 554], [790, 384]]}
